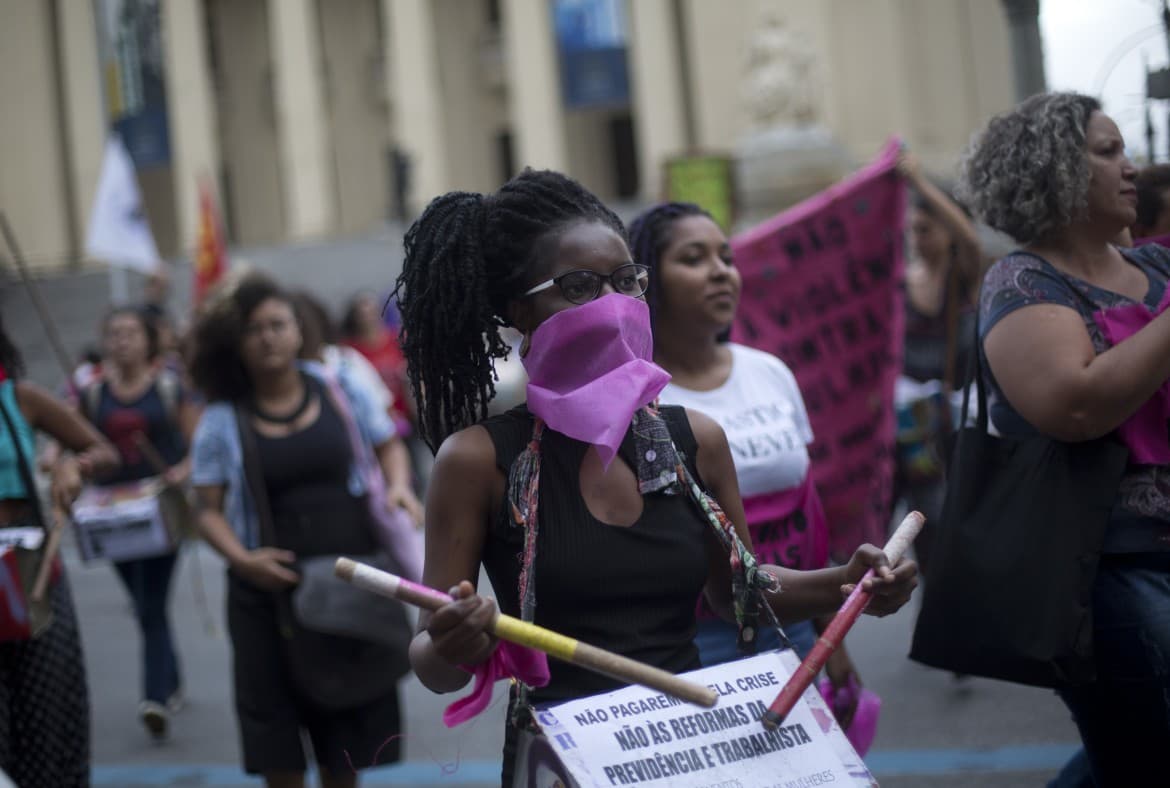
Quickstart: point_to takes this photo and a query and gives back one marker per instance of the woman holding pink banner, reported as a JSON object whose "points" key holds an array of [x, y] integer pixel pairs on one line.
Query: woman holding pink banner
{"points": [[1076, 334], [942, 275], [693, 294], [594, 513]]}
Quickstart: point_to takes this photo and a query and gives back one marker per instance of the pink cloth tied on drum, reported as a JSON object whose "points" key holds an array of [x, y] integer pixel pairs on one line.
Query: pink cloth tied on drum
{"points": [[508, 661], [1147, 432]]}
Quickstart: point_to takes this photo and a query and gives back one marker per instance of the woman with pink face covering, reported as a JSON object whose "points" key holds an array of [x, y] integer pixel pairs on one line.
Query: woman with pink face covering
{"points": [[579, 504]]}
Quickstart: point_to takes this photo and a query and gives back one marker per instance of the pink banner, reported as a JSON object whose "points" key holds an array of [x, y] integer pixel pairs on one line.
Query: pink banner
{"points": [[822, 286]]}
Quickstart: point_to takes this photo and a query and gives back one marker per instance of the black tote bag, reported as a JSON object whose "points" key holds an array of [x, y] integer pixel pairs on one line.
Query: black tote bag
{"points": [[1010, 592]]}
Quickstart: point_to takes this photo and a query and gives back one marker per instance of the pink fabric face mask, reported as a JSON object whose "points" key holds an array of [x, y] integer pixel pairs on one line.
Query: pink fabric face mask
{"points": [[590, 368]]}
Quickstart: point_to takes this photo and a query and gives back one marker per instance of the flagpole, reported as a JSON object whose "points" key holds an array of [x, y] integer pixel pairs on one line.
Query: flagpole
{"points": [[38, 300]]}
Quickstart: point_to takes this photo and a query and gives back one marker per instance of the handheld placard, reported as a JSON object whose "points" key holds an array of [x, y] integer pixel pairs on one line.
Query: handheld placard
{"points": [[514, 630], [834, 634]]}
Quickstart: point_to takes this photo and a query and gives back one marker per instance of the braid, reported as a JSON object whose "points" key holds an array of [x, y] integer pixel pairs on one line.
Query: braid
{"points": [[466, 259], [650, 235]]}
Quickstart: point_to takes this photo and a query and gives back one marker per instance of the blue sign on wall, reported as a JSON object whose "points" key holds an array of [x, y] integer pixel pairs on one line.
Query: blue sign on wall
{"points": [[591, 36], [146, 136]]}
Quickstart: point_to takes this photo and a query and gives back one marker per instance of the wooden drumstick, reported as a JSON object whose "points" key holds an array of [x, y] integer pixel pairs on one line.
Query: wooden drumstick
{"points": [[514, 630], [52, 544], [834, 634]]}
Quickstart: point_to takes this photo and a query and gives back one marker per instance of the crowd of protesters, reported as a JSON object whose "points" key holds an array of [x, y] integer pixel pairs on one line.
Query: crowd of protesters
{"points": [[281, 436]]}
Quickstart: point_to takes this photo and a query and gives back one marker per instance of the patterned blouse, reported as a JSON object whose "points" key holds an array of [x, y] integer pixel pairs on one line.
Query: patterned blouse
{"points": [[1023, 279]]}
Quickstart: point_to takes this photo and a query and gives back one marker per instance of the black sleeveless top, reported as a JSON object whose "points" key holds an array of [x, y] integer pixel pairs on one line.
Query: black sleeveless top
{"points": [[631, 590], [306, 477]]}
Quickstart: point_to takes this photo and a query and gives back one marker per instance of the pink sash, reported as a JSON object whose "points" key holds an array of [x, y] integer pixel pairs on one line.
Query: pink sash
{"points": [[788, 528], [1145, 433]]}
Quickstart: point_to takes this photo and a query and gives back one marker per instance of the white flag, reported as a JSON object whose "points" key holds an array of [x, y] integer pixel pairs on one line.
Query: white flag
{"points": [[118, 231]]}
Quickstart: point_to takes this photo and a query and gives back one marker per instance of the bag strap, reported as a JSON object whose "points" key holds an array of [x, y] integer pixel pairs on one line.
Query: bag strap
{"points": [[25, 466], [91, 400], [254, 476], [523, 493], [254, 479], [167, 384], [951, 309]]}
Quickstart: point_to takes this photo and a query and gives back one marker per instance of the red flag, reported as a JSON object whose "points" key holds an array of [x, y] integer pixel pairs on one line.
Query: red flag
{"points": [[211, 262]]}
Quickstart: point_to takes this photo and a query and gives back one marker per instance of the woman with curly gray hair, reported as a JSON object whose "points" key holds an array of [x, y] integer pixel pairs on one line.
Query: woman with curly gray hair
{"points": [[1053, 174]]}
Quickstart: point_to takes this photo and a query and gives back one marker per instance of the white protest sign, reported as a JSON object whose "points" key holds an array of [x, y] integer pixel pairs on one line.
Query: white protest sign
{"points": [[637, 736]]}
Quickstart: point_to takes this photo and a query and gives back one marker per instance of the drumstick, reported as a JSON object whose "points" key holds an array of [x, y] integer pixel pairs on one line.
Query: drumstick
{"points": [[52, 544], [151, 454], [834, 634], [514, 630]]}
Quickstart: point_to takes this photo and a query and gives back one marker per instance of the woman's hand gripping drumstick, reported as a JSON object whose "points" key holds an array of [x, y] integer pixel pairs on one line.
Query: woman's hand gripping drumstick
{"points": [[525, 634], [834, 634]]}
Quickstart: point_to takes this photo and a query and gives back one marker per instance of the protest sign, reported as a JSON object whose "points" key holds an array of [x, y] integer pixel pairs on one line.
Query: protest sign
{"points": [[707, 180], [822, 286], [636, 736]]}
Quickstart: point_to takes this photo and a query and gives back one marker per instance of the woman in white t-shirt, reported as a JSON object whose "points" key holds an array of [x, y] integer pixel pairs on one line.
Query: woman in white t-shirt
{"points": [[694, 291]]}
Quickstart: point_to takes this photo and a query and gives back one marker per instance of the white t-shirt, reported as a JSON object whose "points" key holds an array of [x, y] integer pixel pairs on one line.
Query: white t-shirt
{"points": [[763, 414]]}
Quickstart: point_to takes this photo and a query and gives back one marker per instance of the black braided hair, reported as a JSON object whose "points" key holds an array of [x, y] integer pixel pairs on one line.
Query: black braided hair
{"points": [[467, 258], [650, 235]]}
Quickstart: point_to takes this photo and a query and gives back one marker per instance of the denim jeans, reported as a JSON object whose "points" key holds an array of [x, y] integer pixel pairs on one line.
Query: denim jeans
{"points": [[148, 580], [1075, 774], [1124, 716], [716, 640]]}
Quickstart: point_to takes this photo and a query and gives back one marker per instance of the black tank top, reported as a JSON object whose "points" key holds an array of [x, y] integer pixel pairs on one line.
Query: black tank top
{"points": [[306, 476], [631, 590]]}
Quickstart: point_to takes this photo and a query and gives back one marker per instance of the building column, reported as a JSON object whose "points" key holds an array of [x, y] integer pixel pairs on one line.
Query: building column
{"points": [[191, 112], [416, 109], [81, 105], [310, 194], [1027, 47], [660, 122], [534, 92]]}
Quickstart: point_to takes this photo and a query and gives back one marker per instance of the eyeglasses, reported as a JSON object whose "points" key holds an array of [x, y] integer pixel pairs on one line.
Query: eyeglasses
{"points": [[582, 286]]}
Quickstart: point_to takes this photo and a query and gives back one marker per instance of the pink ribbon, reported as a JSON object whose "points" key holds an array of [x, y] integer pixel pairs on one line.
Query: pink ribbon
{"points": [[508, 661], [1145, 433]]}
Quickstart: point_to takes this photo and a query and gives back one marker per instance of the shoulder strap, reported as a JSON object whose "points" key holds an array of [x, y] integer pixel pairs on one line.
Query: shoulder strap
{"points": [[168, 391], [523, 492], [25, 467], [951, 311], [254, 476], [686, 445], [91, 399]]}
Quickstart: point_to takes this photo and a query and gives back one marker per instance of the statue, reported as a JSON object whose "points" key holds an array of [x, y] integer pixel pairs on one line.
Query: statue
{"points": [[778, 88], [786, 155]]}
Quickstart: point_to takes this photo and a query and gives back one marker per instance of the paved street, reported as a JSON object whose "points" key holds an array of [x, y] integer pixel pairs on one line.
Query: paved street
{"points": [[933, 732]]}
